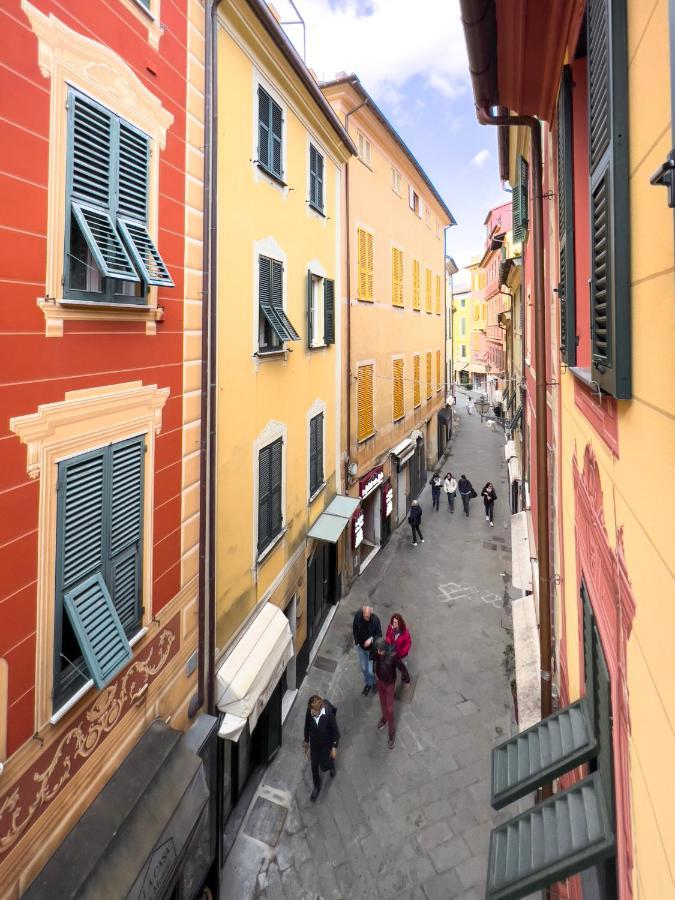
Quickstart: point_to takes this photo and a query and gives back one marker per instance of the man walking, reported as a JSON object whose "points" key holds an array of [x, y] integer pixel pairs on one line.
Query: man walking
{"points": [[385, 670], [415, 518], [366, 628], [466, 492], [321, 739], [435, 490]]}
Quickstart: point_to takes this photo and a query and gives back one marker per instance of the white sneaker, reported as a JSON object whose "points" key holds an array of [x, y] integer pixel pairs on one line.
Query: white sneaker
{"points": [[492, 524], [422, 539], [487, 518], [414, 543]]}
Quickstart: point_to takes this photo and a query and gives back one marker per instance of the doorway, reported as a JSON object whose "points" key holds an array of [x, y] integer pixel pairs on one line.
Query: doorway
{"points": [[401, 495], [321, 573]]}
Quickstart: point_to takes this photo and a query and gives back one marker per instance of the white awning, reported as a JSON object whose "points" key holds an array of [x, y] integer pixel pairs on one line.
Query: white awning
{"points": [[402, 448], [514, 469], [521, 570], [246, 679], [334, 519], [231, 727], [509, 449]]}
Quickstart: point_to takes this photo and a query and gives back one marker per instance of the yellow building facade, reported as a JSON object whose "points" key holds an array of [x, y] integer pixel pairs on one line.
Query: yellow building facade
{"points": [[281, 154], [394, 322], [462, 320]]}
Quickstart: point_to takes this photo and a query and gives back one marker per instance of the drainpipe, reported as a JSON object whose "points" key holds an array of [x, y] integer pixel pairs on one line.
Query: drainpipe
{"points": [[349, 304], [543, 548]]}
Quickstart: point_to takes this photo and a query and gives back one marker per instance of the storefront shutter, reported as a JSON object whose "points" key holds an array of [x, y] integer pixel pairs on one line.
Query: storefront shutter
{"points": [[566, 287], [416, 381], [610, 218], [520, 201], [398, 398], [328, 311], [365, 402], [126, 529]]}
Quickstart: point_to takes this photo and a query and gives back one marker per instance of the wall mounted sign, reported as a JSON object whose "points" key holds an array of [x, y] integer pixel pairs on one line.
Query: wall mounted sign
{"points": [[371, 482], [357, 532], [387, 499]]}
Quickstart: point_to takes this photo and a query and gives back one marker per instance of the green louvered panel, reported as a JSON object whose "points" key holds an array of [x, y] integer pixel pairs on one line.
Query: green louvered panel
{"points": [[264, 496], [126, 512], [280, 322], [125, 589], [277, 283], [144, 253], [80, 548], [133, 166], [98, 629], [541, 753], [99, 232], [91, 151], [275, 148], [329, 311], [264, 105], [567, 833], [275, 486]]}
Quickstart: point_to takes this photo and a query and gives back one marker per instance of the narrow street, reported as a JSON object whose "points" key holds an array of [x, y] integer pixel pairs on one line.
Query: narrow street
{"points": [[412, 822]]}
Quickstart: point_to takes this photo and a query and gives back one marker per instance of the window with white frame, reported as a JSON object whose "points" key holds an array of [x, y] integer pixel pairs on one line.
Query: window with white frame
{"points": [[274, 326], [414, 200], [395, 180], [365, 149], [315, 453], [320, 310], [270, 513]]}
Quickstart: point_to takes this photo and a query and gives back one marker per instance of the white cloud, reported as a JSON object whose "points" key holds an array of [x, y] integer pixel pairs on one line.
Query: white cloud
{"points": [[480, 158], [385, 42]]}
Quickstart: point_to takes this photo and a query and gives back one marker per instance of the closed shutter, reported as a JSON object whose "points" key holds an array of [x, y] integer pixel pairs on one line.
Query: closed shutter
{"points": [[312, 176], [438, 370], [362, 257], [276, 517], [365, 402], [438, 295], [315, 453], [398, 395], [428, 290], [610, 215], [416, 381], [396, 276], [369, 265], [429, 390], [603, 710], [92, 162], [264, 112], [566, 294], [319, 448], [328, 311], [126, 529], [264, 497], [520, 203], [416, 285]]}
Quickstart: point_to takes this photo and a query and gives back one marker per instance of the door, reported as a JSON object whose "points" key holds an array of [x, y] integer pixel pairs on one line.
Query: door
{"points": [[401, 495], [315, 589]]}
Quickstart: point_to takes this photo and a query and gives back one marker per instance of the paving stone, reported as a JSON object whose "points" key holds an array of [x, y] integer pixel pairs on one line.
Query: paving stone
{"points": [[472, 871], [445, 886], [448, 855], [434, 835]]}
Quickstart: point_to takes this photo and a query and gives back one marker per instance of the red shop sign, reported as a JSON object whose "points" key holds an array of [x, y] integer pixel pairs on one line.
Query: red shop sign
{"points": [[371, 482]]}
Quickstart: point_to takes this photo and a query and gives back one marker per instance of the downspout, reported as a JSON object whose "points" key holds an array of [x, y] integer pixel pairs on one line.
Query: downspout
{"points": [[543, 548], [349, 305]]}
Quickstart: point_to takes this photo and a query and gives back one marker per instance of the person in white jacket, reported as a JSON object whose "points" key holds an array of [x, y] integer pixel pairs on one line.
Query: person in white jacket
{"points": [[450, 488]]}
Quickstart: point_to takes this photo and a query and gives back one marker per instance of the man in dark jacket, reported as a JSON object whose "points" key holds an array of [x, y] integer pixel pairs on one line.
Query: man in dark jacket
{"points": [[385, 669], [415, 519], [366, 628], [466, 492], [321, 739]]}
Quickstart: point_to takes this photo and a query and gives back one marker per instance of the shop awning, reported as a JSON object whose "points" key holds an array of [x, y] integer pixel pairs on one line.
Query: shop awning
{"points": [[404, 451], [249, 674], [521, 569], [515, 473], [334, 519], [232, 727], [131, 839]]}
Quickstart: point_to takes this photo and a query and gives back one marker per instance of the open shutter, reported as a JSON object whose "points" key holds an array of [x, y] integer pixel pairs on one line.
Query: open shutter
{"points": [[91, 180], [609, 217], [264, 109], [145, 255], [520, 202], [126, 529], [603, 722], [275, 487], [566, 294], [328, 311], [271, 297], [310, 309], [98, 629]]}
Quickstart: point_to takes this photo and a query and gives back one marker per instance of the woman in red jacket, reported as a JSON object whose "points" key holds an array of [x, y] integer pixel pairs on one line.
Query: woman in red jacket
{"points": [[399, 637]]}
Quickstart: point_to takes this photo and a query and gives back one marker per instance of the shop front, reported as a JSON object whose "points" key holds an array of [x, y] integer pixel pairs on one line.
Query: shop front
{"points": [[444, 429], [402, 453], [368, 534], [417, 467], [151, 832]]}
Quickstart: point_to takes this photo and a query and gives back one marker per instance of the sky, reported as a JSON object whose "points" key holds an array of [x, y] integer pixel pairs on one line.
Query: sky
{"points": [[411, 57]]}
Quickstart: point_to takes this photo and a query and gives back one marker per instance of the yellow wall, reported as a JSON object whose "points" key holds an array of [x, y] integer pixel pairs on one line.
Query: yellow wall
{"points": [[255, 393], [637, 485], [459, 340], [381, 331]]}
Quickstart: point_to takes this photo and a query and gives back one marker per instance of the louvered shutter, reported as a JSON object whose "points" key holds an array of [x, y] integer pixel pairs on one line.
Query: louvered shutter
{"points": [[438, 370], [319, 180], [610, 215], [429, 388], [603, 715], [365, 402], [277, 284], [396, 276], [416, 381], [566, 287], [276, 517], [271, 298], [362, 263], [91, 186], [438, 295], [520, 202], [416, 285], [275, 149], [310, 309], [126, 529], [398, 395], [319, 449], [369, 266], [264, 497], [328, 311], [264, 113], [313, 480], [428, 290]]}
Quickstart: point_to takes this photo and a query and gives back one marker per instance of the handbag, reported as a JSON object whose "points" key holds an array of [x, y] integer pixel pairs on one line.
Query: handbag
{"points": [[473, 494]]}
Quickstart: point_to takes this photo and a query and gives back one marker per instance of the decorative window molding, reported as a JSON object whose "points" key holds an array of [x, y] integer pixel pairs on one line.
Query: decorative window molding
{"points": [[70, 59], [83, 421]]}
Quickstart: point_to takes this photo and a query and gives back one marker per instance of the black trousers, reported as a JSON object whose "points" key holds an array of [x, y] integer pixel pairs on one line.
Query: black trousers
{"points": [[325, 764], [490, 509], [416, 528], [435, 498]]}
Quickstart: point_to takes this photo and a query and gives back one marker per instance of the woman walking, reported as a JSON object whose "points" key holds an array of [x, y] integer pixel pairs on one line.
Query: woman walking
{"points": [[469, 407], [450, 488], [466, 492], [435, 490], [489, 495], [415, 517], [399, 638]]}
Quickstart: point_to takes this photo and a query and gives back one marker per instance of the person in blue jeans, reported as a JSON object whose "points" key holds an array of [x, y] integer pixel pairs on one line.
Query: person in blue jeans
{"points": [[366, 628]]}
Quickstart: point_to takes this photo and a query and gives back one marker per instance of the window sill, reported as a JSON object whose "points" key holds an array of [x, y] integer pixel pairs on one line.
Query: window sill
{"points": [[318, 346], [321, 488], [584, 376], [366, 164], [318, 210], [56, 312], [365, 299], [277, 179], [362, 441], [87, 686], [263, 554], [272, 354]]}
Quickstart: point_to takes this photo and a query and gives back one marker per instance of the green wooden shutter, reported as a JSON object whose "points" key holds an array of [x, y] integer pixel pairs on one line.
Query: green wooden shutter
{"points": [[329, 311], [133, 170], [566, 287], [312, 176], [310, 309], [271, 296], [319, 181], [264, 105], [277, 284], [319, 449], [264, 497], [603, 710], [313, 478], [92, 186], [276, 120], [276, 515], [145, 255], [126, 530], [520, 202], [610, 215]]}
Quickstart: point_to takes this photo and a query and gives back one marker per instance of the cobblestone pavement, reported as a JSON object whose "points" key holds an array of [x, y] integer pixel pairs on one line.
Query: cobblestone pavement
{"points": [[412, 822]]}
